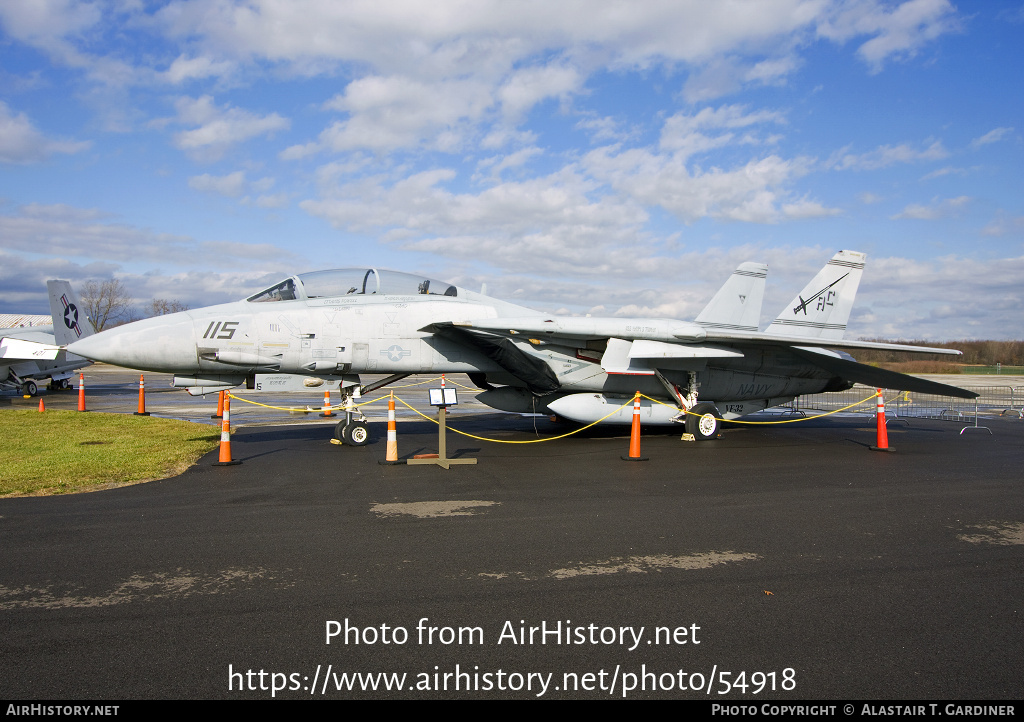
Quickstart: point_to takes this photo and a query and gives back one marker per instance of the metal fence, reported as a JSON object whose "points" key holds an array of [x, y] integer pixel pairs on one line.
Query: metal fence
{"points": [[992, 401]]}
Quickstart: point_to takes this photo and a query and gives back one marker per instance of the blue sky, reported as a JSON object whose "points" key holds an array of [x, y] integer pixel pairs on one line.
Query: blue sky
{"points": [[582, 156]]}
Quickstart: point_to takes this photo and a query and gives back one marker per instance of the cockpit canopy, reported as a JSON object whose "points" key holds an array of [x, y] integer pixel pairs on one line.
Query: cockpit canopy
{"points": [[352, 282]]}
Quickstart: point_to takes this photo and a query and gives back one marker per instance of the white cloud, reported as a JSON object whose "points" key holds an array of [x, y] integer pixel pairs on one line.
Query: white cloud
{"points": [[21, 142], [528, 86], [1003, 225], [752, 192], [899, 295], [231, 185], [70, 232], [993, 136], [886, 155], [48, 24], [387, 113], [496, 164], [937, 209], [219, 128], [897, 31], [184, 69], [603, 129], [682, 133]]}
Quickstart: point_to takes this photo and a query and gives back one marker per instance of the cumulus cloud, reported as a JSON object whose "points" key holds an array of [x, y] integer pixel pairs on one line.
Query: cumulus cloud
{"points": [[752, 192], [981, 298], [231, 185], [897, 31], [22, 142], [217, 128], [183, 69], [687, 134], [82, 233], [938, 209]]}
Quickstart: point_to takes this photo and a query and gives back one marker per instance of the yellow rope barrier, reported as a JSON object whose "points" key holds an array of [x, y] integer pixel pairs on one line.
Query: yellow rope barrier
{"points": [[306, 409], [341, 409], [785, 421], [528, 441]]}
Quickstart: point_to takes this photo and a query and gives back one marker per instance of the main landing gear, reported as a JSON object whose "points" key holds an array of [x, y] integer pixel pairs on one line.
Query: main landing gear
{"points": [[701, 419], [354, 429], [704, 422]]}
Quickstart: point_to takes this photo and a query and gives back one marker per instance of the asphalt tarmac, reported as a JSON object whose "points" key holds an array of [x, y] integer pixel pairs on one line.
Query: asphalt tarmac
{"points": [[777, 562]]}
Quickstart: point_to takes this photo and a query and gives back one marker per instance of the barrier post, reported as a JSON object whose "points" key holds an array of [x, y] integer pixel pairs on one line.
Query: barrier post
{"points": [[327, 404], [142, 397], [81, 392], [634, 433], [392, 452], [225, 436], [882, 443], [220, 406]]}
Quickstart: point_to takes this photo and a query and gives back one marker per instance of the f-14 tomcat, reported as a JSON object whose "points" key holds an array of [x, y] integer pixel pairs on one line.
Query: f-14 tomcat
{"points": [[342, 323]]}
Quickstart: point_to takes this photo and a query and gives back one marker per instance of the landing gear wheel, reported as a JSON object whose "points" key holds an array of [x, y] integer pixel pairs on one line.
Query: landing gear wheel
{"points": [[358, 434], [30, 388], [341, 432], [704, 422]]}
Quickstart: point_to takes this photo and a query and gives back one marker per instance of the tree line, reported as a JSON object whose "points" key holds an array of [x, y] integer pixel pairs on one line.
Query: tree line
{"points": [[108, 304], [976, 353]]}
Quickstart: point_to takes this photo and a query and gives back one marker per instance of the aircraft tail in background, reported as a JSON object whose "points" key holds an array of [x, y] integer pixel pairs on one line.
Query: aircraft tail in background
{"points": [[737, 305], [69, 322], [822, 309]]}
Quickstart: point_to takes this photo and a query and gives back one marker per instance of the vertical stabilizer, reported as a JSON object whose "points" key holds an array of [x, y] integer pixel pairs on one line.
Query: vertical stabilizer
{"points": [[69, 321], [737, 305], [822, 309]]}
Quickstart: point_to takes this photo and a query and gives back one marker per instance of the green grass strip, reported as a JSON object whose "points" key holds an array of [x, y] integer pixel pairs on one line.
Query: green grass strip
{"points": [[59, 452]]}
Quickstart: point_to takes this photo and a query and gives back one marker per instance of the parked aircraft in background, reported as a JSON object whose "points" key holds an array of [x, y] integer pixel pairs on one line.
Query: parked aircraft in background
{"points": [[342, 323], [29, 356]]}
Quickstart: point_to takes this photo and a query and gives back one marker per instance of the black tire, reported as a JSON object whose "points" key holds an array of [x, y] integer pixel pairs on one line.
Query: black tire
{"points": [[358, 434], [704, 422], [30, 388], [341, 432]]}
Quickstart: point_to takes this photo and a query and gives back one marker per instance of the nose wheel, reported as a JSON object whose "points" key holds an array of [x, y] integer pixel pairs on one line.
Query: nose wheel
{"points": [[356, 433]]}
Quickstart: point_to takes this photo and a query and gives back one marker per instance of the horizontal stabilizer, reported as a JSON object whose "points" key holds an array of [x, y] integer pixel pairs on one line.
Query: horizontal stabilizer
{"points": [[880, 378], [617, 359], [16, 348], [659, 350]]}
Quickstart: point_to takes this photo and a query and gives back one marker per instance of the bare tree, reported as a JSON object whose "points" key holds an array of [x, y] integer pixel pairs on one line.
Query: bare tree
{"points": [[163, 306], [106, 302]]}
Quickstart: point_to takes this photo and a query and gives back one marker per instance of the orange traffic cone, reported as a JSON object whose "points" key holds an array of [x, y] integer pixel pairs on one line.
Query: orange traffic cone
{"points": [[327, 404], [882, 434], [220, 406], [42, 406], [81, 392], [391, 457], [225, 437], [634, 434], [142, 398]]}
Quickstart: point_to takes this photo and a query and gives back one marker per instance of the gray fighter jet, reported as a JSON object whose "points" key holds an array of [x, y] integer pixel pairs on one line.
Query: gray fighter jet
{"points": [[341, 323], [29, 356]]}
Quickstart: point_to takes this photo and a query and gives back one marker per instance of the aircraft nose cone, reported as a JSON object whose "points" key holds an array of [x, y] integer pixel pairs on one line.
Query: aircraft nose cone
{"points": [[164, 343]]}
